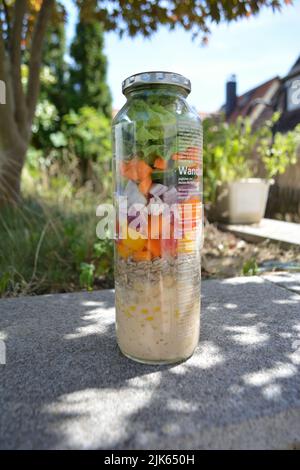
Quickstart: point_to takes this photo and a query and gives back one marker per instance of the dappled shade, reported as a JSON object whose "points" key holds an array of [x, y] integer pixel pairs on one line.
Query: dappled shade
{"points": [[66, 385]]}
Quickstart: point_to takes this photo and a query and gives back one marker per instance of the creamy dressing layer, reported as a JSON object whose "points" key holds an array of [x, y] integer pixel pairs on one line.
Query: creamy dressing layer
{"points": [[158, 321]]}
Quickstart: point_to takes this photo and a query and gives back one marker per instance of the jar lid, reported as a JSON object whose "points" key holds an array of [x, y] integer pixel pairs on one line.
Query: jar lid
{"points": [[155, 78]]}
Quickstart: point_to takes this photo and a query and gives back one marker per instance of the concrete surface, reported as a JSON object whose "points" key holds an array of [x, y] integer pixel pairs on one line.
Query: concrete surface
{"points": [[287, 233], [66, 386], [286, 280]]}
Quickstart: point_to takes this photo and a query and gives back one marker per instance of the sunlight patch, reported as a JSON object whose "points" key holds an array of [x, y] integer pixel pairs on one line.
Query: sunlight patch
{"points": [[272, 391], [74, 415], [267, 376], [248, 334], [243, 280], [97, 323]]}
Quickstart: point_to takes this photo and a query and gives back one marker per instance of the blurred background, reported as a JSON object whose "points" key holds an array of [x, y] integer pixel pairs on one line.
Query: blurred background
{"points": [[61, 68]]}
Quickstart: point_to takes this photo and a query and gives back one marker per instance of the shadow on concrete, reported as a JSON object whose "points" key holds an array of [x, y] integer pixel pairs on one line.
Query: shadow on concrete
{"points": [[66, 385]]}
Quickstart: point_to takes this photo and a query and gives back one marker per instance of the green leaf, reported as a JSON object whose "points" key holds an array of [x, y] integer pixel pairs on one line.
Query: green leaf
{"points": [[250, 267], [4, 282], [86, 278], [58, 139]]}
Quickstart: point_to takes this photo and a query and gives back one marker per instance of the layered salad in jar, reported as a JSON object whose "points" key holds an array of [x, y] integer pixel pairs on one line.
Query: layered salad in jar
{"points": [[157, 250]]}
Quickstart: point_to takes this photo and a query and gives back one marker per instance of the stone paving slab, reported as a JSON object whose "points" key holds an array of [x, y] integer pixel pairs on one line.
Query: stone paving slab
{"points": [[66, 386], [286, 280], [287, 233]]}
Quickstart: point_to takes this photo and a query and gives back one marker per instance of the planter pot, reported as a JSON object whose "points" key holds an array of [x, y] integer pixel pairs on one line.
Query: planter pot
{"points": [[243, 201]]}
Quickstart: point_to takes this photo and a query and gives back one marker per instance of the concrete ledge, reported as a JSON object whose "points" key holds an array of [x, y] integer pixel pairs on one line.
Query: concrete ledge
{"points": [[286, 233], [66, 386]]}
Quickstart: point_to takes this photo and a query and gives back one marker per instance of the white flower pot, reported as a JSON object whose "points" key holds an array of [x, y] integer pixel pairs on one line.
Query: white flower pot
{"points": [[243, 201]]}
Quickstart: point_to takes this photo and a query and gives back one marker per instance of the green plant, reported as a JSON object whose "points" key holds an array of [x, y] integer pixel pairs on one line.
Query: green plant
{"points": [[230, 151], [227, 152], [4, 282], [101, 265], [46, 123], [88, 69], [279, 150], [88, 139], [103, 259], [250, 267], [87, 275], [70, 152], [46, 246]]}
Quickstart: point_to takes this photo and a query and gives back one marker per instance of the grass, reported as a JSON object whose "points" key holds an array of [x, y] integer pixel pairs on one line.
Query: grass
{"points": [[50, 245]]}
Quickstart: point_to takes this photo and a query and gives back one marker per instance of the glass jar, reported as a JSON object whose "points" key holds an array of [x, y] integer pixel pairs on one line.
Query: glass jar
{"points": [[157, 161]]}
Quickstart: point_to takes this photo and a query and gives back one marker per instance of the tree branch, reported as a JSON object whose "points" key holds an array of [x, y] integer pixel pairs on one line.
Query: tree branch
{"points": [[6, 12], [1, 41], [36, 58], [2, 55], [15, 58], [9, 133]]}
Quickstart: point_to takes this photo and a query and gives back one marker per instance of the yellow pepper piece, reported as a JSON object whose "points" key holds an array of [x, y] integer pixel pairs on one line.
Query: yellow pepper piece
{"points": [[133, 240], [123, 250], [186, 245]]}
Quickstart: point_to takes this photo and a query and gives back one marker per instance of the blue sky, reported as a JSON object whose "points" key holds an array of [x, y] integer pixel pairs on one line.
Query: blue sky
{"points": [[255, 49]]}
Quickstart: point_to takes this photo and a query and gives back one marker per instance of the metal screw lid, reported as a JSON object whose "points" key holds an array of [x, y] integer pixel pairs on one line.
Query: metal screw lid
{"points": [[155, 78]]}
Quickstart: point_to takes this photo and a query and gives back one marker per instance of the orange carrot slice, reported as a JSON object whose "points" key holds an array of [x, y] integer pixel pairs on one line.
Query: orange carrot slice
{"points": [[154, 247], [123, 168], [123, 250], [160, 163], [143, 170], [144, 255], [135, 170], [131, 170], [145, 185]]}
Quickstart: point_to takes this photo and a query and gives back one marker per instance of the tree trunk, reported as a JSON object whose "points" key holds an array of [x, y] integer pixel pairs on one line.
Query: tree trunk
{"points": [[11, 165], [18, 110], [84, 170]]}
